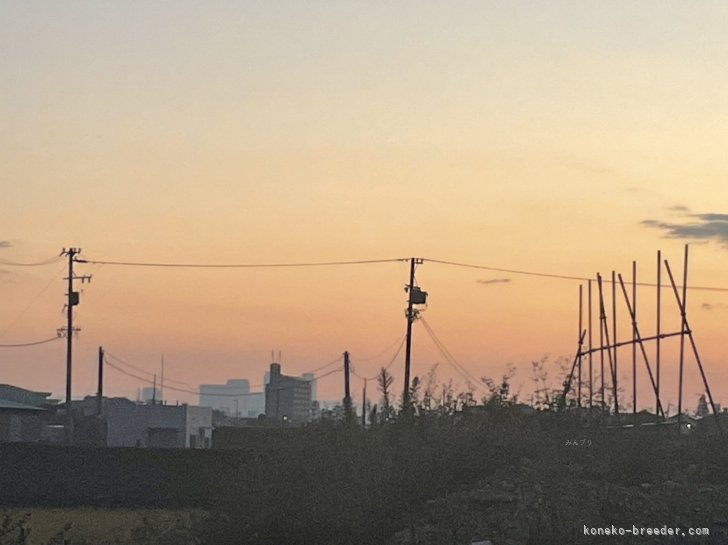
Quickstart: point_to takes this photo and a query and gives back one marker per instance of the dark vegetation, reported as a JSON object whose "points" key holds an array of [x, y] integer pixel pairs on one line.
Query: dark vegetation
{"points": [[443, 479], [443, 472]]}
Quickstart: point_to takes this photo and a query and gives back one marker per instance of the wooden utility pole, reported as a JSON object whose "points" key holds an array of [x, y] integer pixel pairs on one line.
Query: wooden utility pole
{"points": [[161, 382], [100, 391], [72, 301], [410, 319], [364, 406], [347, 391]]}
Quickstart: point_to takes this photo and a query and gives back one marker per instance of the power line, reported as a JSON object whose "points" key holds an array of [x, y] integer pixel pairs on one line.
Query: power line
{"points": [[389, 347], [337, 370], [182, 390], [458, 369], [512, 271], [446, 355], [357, 375], [354, 262], [34, 343], [139, 369], [240, 265], [48, 261], [332, 362], [450, 358], [166, 379], [197, 392], [191, 391], [443, 349], [559, 276], [32, 302], [386, 367]]}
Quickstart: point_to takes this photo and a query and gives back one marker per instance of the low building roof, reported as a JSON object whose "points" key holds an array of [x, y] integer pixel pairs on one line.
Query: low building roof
{"points": [[13, 406]]}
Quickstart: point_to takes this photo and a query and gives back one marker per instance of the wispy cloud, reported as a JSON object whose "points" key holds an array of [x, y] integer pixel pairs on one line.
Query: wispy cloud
{"points": [[706, 227], [585, 166], [494, 281], [714, 306], [680, 209]]}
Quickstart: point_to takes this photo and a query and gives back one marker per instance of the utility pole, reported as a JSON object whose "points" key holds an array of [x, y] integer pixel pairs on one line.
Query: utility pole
{"points": [[100, 391], [72, 301], [416, 297], [364, 406], [161, 382], [347, 392]]}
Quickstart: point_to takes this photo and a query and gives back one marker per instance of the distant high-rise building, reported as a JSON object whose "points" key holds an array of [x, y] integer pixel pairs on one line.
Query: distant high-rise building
{"points": [[312, 379], [233, 398], [151, 394], [288, 398], [702, 410]]}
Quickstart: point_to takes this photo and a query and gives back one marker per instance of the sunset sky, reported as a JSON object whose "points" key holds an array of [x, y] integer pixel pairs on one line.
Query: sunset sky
{"points": [[561, 137]]}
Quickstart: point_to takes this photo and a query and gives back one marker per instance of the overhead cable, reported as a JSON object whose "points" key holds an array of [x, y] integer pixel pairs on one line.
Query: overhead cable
{"points": [[386, 367], [31, 303], [33, 343], [240, 265], [332, 362], [462, 371], [139, 369], [48, 261], [558, 276]]}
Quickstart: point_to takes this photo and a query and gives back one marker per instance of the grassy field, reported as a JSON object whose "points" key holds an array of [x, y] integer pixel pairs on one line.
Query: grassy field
{"points": [[102, 526]]}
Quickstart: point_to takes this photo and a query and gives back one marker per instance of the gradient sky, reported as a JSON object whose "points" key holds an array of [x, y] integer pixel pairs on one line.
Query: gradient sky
{"points": [[562, 137]]}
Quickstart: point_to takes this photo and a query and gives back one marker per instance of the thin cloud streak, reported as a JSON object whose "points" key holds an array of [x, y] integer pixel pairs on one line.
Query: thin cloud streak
{"points": [[713, 306], [494, 281], [705, 227]]}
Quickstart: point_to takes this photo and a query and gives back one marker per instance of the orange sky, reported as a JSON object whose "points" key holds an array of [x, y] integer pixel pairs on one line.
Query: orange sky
{"points": [[514, 135]]}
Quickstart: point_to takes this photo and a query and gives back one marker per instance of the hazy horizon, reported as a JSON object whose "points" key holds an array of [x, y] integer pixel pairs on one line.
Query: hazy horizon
{"points": [[568, 138]]}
